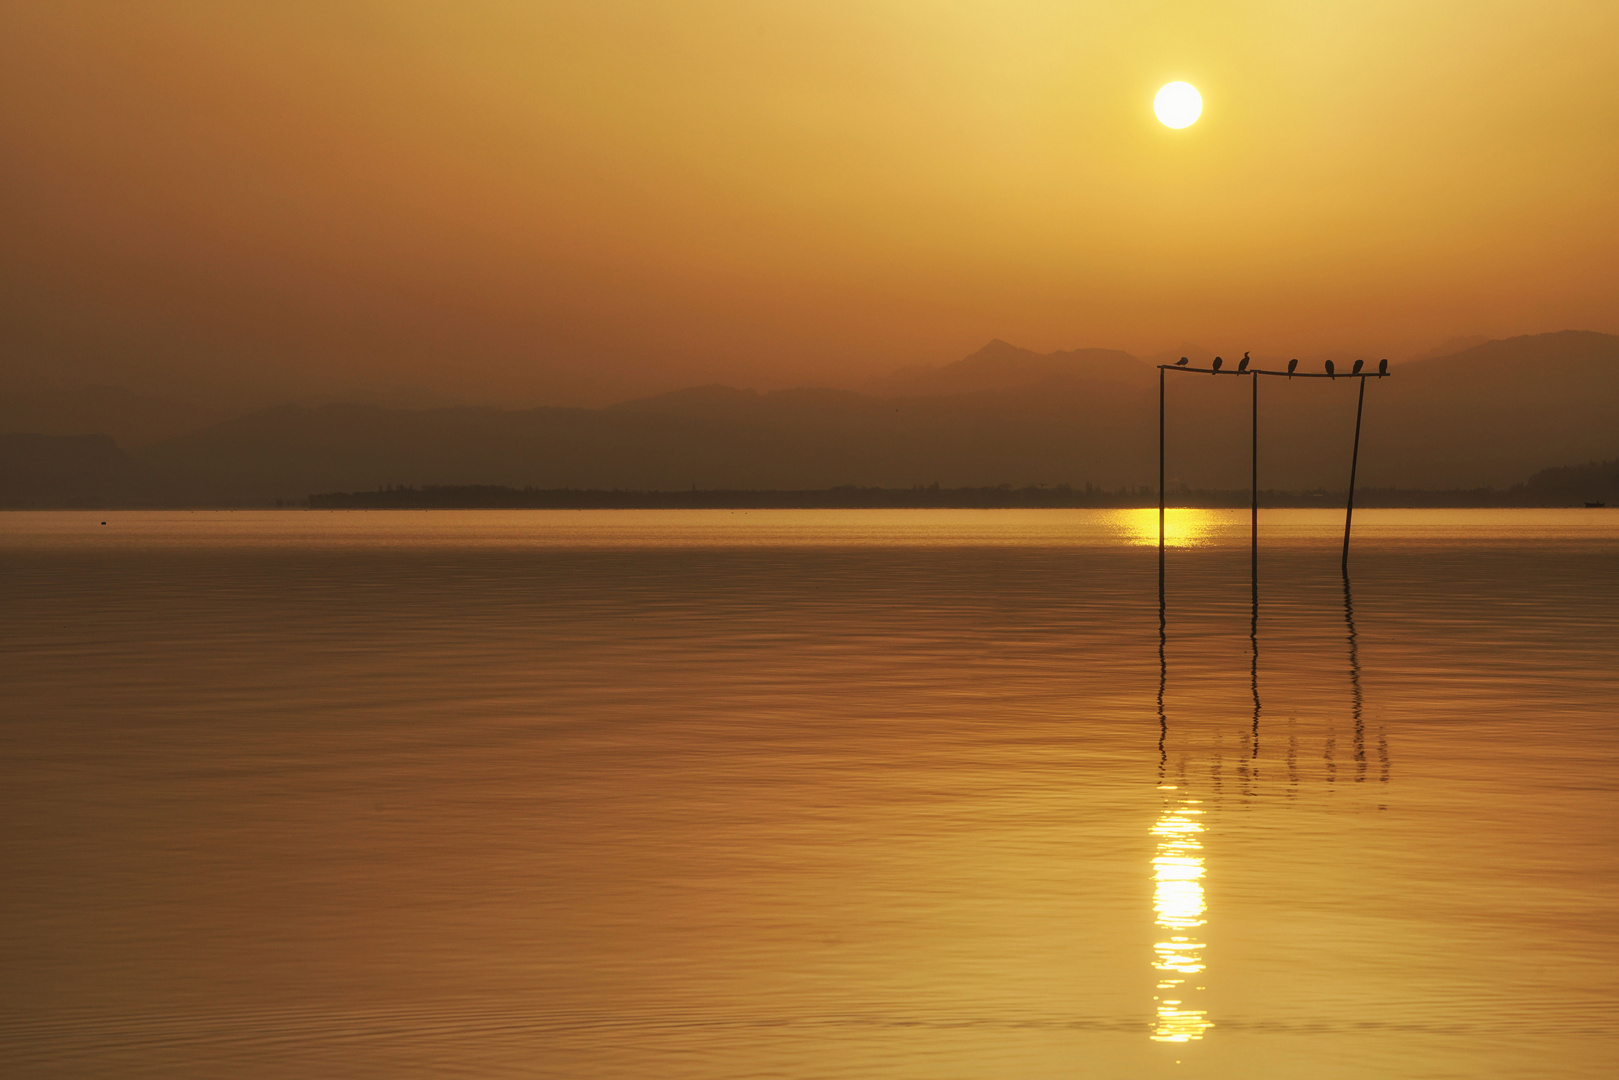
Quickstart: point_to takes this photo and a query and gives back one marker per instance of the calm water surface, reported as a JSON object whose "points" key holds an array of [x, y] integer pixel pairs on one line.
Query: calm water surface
{"points": [[808, 794]]}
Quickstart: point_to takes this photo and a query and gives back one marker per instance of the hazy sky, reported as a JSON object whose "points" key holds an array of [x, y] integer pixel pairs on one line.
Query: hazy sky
{"points": [[530, 201]]}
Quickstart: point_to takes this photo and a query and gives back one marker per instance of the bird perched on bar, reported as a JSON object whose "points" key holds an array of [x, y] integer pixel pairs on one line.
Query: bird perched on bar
{"points": [[1358, 365], [1242, 365], [1291, 364], [1217, 363], [1183, 361], [1330, 375], [1383, 366]]}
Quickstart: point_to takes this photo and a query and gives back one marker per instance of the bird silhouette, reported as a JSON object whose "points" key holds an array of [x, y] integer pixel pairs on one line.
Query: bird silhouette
{"points": [[1183, 361], [1358, 365], [1292, 364], [1383, 366], [1242, 365], [1217, 363], [1329, 370]]}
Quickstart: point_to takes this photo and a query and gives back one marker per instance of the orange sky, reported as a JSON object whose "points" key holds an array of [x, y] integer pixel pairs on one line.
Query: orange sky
{"points": [[518, 202]]}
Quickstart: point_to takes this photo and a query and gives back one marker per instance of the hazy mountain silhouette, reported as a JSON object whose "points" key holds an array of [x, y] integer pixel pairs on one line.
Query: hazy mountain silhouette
{"points": [[1595, 481], [65, 470], [1000, 366], [1497, 411], [129, 418], [1490, 415], [1451, 346]]}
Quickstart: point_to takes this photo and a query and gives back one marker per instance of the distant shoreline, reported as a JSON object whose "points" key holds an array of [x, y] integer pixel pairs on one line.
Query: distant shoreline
{"points": [[481, 497]]}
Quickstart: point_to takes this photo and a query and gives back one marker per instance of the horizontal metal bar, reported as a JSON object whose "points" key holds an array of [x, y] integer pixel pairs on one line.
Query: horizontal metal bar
{"points": [[1284, 374]]}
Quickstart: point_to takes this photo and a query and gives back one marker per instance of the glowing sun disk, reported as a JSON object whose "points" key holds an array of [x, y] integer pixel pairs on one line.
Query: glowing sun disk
{"points": [[1178, 105]]}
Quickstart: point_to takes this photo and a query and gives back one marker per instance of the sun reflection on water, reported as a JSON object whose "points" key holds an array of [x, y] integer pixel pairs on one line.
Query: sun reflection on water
{"points": [[1177, 867], [1183, 526]]}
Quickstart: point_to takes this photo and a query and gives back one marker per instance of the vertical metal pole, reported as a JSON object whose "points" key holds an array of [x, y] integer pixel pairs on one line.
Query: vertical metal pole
{"points": [[1160, 481], [1163, 625], [1253, 483], [1253, 570], [1354, 462]]}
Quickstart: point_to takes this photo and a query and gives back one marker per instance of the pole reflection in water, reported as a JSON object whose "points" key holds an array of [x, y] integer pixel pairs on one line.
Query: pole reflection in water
{"points": [[1177, 870], [1163, 671], [1358, 702], [1253, 664], [1354, 682], [1177, 866]]}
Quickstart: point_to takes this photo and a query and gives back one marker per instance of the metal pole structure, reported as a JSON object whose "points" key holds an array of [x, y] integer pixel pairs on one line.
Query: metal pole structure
{"points": [[1290, 373], [1354, 461], [1163, 625], [1253, 482], [1253, 567]]}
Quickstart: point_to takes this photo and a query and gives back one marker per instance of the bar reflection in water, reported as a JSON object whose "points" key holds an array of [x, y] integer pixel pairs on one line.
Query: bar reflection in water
{"points": [[1177, 868]]}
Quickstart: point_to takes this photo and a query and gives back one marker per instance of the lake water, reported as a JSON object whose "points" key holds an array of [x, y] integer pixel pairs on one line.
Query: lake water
{"points": [[809, 794]]}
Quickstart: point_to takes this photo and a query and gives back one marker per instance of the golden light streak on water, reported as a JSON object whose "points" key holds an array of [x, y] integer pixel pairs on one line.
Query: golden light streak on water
{"points": [[1177, 867], [1183, 526]]}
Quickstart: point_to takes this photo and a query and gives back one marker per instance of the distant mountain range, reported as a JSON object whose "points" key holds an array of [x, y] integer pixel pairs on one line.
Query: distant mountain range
{"points": [[1001, 366], [1487, 416], [129, 419]]}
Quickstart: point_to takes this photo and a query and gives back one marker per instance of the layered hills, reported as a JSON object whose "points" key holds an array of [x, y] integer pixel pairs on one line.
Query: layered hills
{"points": [[1490, 415]]}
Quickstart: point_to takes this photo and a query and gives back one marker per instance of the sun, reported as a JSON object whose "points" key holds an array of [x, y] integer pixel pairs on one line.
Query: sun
{"points": [[1178, 105]]}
